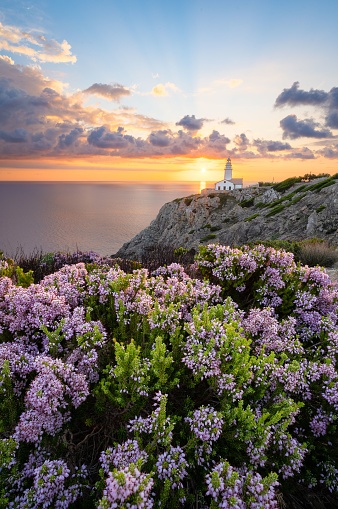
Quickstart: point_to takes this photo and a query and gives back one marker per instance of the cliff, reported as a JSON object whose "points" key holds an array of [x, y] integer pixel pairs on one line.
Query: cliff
{"points": [[305, 210]]}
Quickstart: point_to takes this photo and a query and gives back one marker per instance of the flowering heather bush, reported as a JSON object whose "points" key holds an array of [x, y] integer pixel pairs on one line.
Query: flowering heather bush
{"points": [[147, 390]]}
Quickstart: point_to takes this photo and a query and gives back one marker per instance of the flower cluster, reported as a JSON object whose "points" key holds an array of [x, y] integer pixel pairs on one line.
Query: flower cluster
{"points": [[127, 487], [122, 456], [231, 487], [172, 465]]}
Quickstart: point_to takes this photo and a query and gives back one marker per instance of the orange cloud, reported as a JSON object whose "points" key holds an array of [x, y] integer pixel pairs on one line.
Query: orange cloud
{"points": [[37, 47], [164, 89]]}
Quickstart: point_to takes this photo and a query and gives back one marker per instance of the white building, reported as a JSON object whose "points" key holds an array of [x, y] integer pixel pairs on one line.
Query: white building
{"points": [[228, 184]]}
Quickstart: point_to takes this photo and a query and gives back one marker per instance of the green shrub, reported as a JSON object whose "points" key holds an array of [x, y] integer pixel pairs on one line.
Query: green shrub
{"points": [[8, 268], [319, 209], [250, 218], [260, 205], [286, 184], [209, 237], [297, 199], [266, 184], [275, 210], [320, 185], [247, 203]]}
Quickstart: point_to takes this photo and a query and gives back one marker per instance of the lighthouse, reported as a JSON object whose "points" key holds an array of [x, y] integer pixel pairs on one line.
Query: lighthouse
{"points": [[229, 183], [228, 170]]}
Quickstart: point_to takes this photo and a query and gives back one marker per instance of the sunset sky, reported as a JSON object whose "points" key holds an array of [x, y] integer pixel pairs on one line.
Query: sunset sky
{"points": [[157, 90]]}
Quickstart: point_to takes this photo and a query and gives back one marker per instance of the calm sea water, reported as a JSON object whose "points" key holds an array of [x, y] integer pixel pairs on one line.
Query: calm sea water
{"points": [[101, 216]]}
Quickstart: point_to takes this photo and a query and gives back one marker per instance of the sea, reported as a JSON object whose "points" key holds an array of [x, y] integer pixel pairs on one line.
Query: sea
{"points": [[80, 216]]}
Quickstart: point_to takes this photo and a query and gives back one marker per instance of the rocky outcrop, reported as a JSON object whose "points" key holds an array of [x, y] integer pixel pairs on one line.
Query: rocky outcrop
{"points": [[244, 215]]}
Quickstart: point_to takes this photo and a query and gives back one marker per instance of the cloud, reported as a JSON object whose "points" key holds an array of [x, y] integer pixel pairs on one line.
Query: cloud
{"points": [[161, 138], [216, 142], [7, 59], [35, 46], [16, 136], [228, 121], [307, 128], [332, 120], [293, 96], [103, 138], [231, 83], [327, 101], [303, 153], [191, 123], [330, 152], [163, 90], [68, 140], [28, 78], [111, 92], [264, 146], [242, 141]]}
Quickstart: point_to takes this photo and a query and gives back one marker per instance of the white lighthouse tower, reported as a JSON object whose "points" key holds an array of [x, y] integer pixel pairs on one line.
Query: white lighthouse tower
{"points": [[229, 183], [228, 170]]}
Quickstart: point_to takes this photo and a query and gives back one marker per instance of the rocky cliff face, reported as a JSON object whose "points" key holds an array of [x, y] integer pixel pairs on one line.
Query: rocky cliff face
{"points": [[244, 215]]}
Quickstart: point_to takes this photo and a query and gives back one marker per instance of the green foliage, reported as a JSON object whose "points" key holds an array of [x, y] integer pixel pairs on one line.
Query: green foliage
{"points": [[320, 208], [321, 185], [266, 184], [247, 203], [8, 268], [210, 236], [8, 400], [7, 454], [250, 218], [275, 210], [286, 184]]}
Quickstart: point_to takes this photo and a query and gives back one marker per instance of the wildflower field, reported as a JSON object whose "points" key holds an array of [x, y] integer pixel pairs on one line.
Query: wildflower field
{"points": [[213, 386]]}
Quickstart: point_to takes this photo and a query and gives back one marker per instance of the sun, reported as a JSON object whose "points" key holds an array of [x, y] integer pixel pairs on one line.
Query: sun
{"points": [[203, 170]]}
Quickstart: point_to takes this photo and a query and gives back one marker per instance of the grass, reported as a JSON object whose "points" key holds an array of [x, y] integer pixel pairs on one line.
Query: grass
{"points": [[317, 253]]}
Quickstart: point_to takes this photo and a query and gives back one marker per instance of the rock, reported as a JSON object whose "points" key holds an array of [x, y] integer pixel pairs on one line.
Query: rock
{"points": [[241, 216]]}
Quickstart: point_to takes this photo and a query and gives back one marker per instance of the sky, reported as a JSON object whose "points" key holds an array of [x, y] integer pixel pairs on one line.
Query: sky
{"points": [[157, 90]]}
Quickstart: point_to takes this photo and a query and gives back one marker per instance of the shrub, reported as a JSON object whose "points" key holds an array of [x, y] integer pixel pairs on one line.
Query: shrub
{"points": [[321, 185], [317, 253], [275, 210], [320, 208], [210, 236], [162, 390], [247, 203], [266, 184], [9, 269], [286, 184], [250, 218]]}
